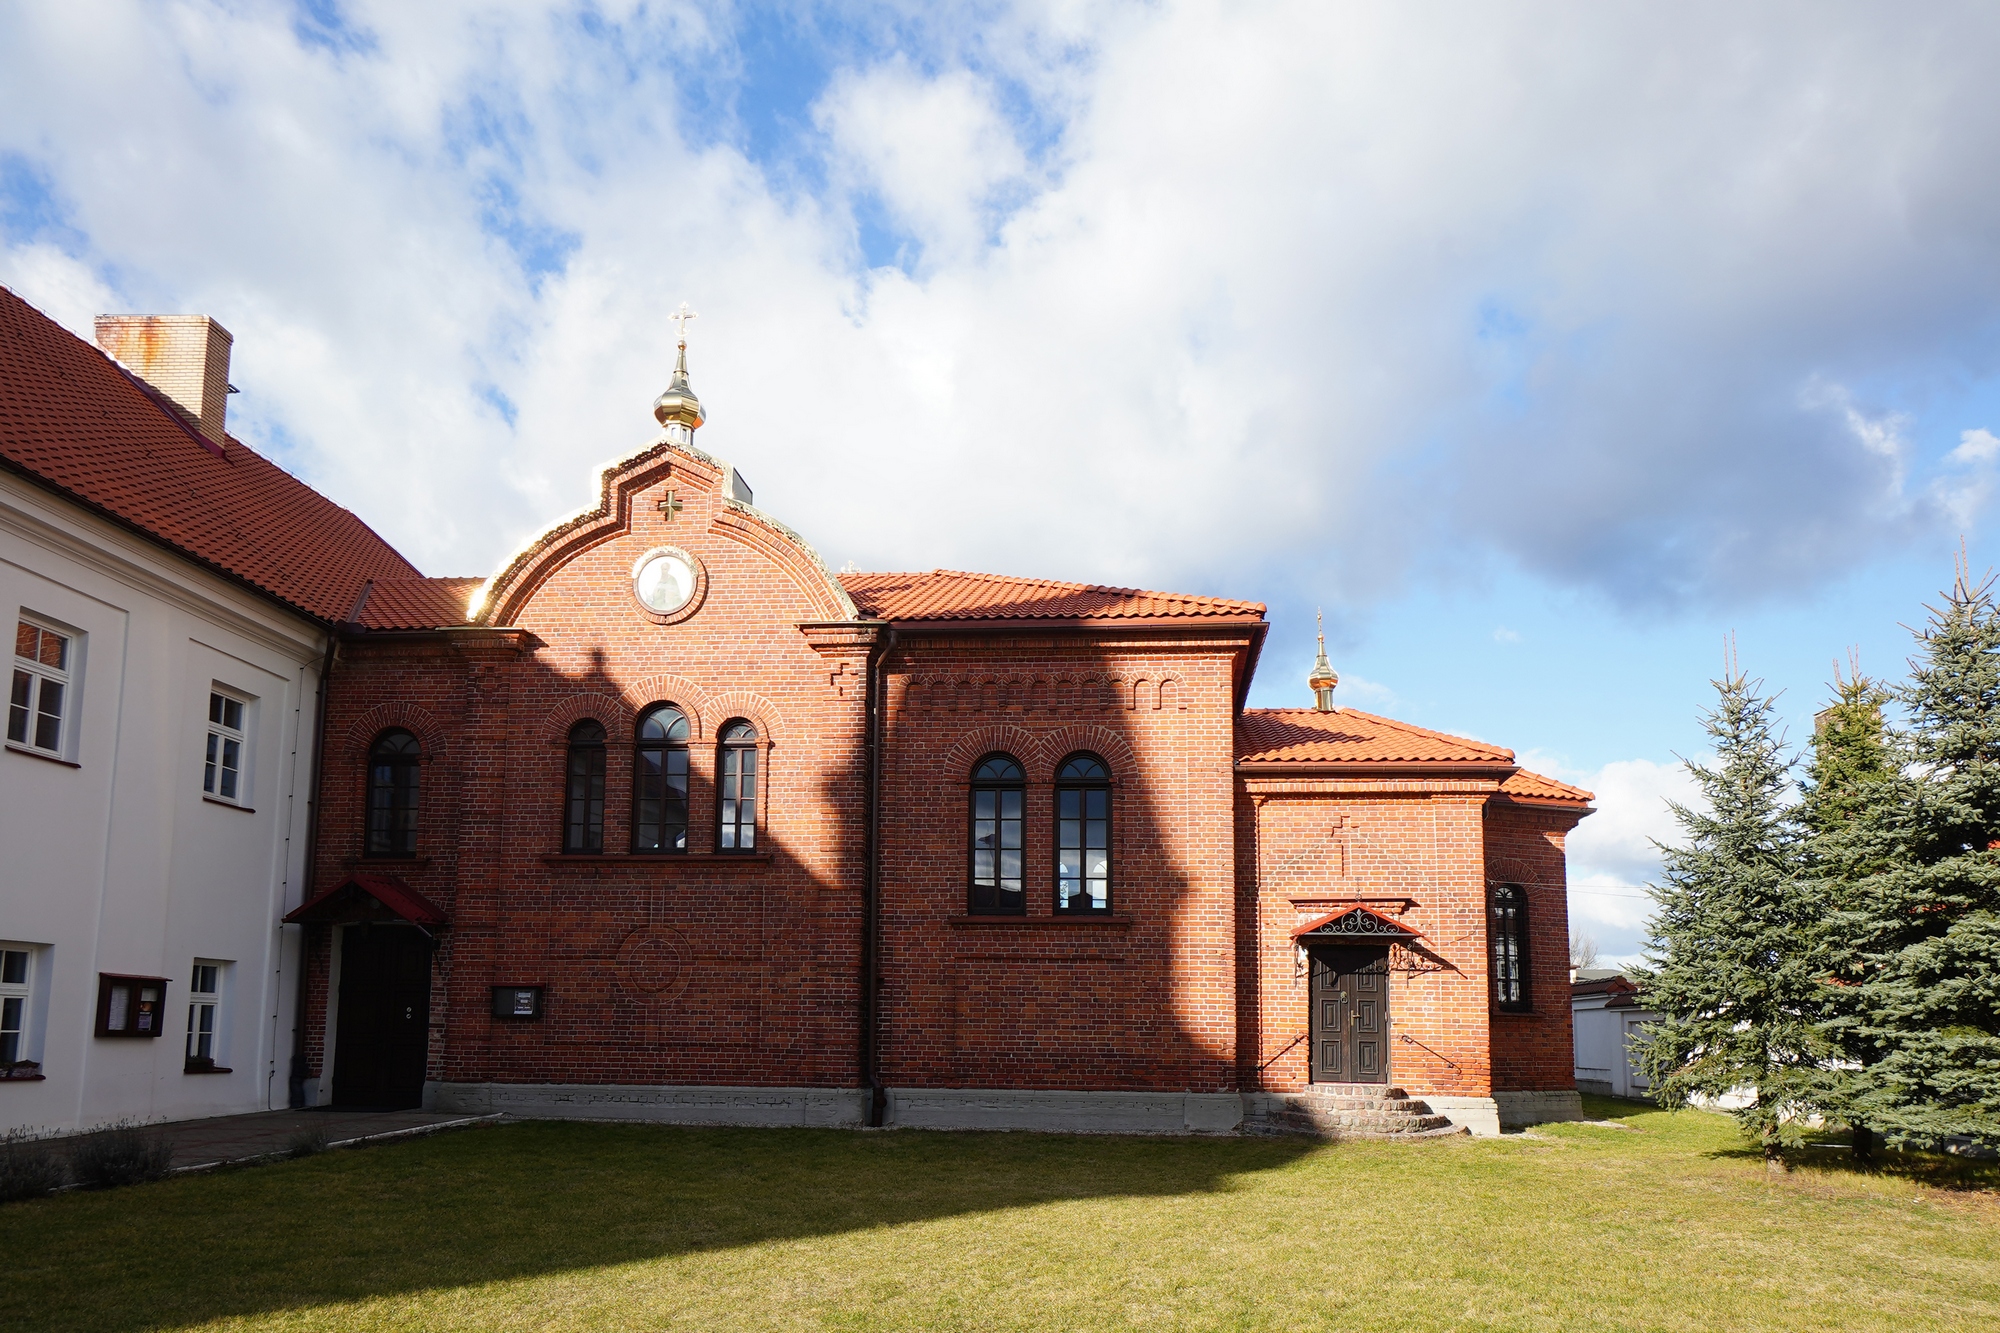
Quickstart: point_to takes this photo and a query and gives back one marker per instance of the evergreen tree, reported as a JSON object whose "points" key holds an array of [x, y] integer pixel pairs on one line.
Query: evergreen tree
{"points": [[1922, 938], [1851, 782], [1734, 943]]}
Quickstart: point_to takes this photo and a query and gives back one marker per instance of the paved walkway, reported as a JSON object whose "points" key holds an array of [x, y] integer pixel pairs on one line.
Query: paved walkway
{"points": [[235, 1138]]}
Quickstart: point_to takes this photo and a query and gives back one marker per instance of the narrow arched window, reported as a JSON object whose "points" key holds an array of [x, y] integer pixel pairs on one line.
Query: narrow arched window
{"points": [[998, 794], [660, 781], [583, 797], [392, 794], [736, 766], [1507, 929], [1083, 835]]}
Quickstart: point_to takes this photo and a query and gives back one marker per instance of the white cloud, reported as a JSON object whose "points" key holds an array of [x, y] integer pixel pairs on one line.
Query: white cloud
{"points": [[1205, 296], [1612, 857], [60, 286], [936, 150], [1504, 635], [1976, 446]]}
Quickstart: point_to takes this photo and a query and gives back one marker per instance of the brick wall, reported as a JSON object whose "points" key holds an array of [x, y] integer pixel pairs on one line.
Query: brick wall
{"points": [[1535, 1051], [1142, 999], [710, 969], [700, 969]]}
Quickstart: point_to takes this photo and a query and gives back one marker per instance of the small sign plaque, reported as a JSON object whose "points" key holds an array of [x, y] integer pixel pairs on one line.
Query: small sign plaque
{"points": [[517, 1001]]}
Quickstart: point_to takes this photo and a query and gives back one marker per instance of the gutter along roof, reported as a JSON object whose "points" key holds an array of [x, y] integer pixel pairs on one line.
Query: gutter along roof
{"points": [[79, 424]]}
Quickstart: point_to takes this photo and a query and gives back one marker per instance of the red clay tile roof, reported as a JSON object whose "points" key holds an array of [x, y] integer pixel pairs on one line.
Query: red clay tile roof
{"points": [[73, 420], [944, 594], [416, 603], [1306, 735], [1534, 787]]}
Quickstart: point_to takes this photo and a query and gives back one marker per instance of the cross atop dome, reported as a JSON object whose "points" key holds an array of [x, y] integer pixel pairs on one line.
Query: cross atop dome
{"points": [[678, 409], [1322, 680]]}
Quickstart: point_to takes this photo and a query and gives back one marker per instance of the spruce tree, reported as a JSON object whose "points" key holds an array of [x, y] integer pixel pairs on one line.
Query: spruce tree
{"points": [[1851, 782], [1922, 938], [1733, 944]]}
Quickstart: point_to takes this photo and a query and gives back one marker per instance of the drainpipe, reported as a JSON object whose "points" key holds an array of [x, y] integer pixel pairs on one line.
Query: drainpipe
{"points": [[296, 1089], [871, 1078]]}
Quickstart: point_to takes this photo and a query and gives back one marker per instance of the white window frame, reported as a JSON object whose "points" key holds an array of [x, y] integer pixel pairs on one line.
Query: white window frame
{"points": [[218, 736], [39, 675], [215, 1002], [32, 993]]}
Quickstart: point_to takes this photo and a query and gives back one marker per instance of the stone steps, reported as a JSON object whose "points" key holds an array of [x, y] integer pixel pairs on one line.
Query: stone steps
{"points": [[1356, 1111]]}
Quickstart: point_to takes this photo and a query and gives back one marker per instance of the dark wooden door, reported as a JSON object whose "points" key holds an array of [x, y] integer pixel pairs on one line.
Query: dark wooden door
{"points": [[383, 1031], [1350, 1015]]}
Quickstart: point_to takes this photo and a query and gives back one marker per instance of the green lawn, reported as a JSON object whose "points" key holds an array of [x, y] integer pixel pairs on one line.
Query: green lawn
{"points": [[1667, 1224]]}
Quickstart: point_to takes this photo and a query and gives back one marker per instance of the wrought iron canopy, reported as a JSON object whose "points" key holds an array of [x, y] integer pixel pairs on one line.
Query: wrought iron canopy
{"points": [[1355, 923]]}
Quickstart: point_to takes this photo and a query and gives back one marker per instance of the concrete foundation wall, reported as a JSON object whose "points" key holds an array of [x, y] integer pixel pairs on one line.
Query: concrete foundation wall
{"points": [[835, 1108], [1537, 1108], [1066, 1112]]}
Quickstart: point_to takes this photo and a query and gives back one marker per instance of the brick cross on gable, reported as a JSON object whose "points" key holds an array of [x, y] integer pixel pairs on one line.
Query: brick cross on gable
{"points": [[671, 505]]}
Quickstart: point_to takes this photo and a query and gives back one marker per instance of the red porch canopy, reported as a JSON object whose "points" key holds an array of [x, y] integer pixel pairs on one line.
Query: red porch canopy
{"points": [[1356, 922], [370, 897]]}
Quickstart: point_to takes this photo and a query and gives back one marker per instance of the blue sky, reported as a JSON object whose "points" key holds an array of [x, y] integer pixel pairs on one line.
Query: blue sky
{"points": [[1541, 345]]}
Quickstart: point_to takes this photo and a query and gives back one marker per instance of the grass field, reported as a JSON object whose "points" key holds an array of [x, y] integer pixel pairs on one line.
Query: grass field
{"points": [[1665, 1224]]}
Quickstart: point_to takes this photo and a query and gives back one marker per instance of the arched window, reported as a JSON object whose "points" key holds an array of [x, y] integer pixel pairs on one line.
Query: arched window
{"points": [[583, 797], [998, 793], [660, 781], [1083, 835], [392, 794], [1507, 928], [736, 766]]}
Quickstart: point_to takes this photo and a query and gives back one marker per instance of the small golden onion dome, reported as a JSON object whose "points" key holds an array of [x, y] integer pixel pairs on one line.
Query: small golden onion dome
{"points": [[678, 405], [1322, 680]]}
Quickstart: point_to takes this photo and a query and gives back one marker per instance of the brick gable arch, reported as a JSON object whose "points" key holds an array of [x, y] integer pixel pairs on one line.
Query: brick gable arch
{"points": [[693, 701], [614, 715], [418, 721], [502, 598], [753, 708], [956, 763], [1106, 744]]}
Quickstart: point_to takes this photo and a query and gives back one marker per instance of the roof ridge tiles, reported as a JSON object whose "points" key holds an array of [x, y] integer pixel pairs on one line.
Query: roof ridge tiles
{"points": [[76, 421]]}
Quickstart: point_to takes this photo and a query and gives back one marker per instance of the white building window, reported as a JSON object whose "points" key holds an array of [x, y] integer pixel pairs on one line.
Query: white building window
{"points": [[40, 701], [13, 1005], [222, 770], [22, 994], [206, 1048]]}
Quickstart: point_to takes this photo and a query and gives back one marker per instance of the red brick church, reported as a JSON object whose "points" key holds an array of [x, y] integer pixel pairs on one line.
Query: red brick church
{"points": [[665, 820]]}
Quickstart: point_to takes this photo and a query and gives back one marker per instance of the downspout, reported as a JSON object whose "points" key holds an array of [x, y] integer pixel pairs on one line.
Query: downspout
{"points": [[296, 1089], [871, 1077]]}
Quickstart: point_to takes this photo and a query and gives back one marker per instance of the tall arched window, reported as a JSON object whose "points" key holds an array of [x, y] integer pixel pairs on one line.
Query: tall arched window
{"points": [[998, 793], [660, 781], [583, 797], [392, 794], [1083, 835], [1507, 928], [736, 766]]}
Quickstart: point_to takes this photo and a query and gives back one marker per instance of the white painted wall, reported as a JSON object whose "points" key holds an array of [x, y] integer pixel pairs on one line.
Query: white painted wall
{"points": [[1604, 1038], [116, 862]]}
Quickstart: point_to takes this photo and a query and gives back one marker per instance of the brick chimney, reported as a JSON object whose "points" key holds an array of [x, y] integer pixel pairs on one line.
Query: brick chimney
{"points": [[185, 357]]}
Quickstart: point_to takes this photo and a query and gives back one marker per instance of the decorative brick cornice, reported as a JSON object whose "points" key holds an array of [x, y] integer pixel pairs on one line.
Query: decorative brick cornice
{"points": [[1065, 692]]}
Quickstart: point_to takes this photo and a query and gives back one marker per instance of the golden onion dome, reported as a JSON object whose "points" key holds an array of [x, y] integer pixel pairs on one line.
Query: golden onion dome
{"points": [[678, 405]]}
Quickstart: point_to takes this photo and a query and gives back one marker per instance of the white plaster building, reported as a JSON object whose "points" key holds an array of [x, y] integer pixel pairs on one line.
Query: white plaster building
{"points": [[171, 597], [1606, 1016]]}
